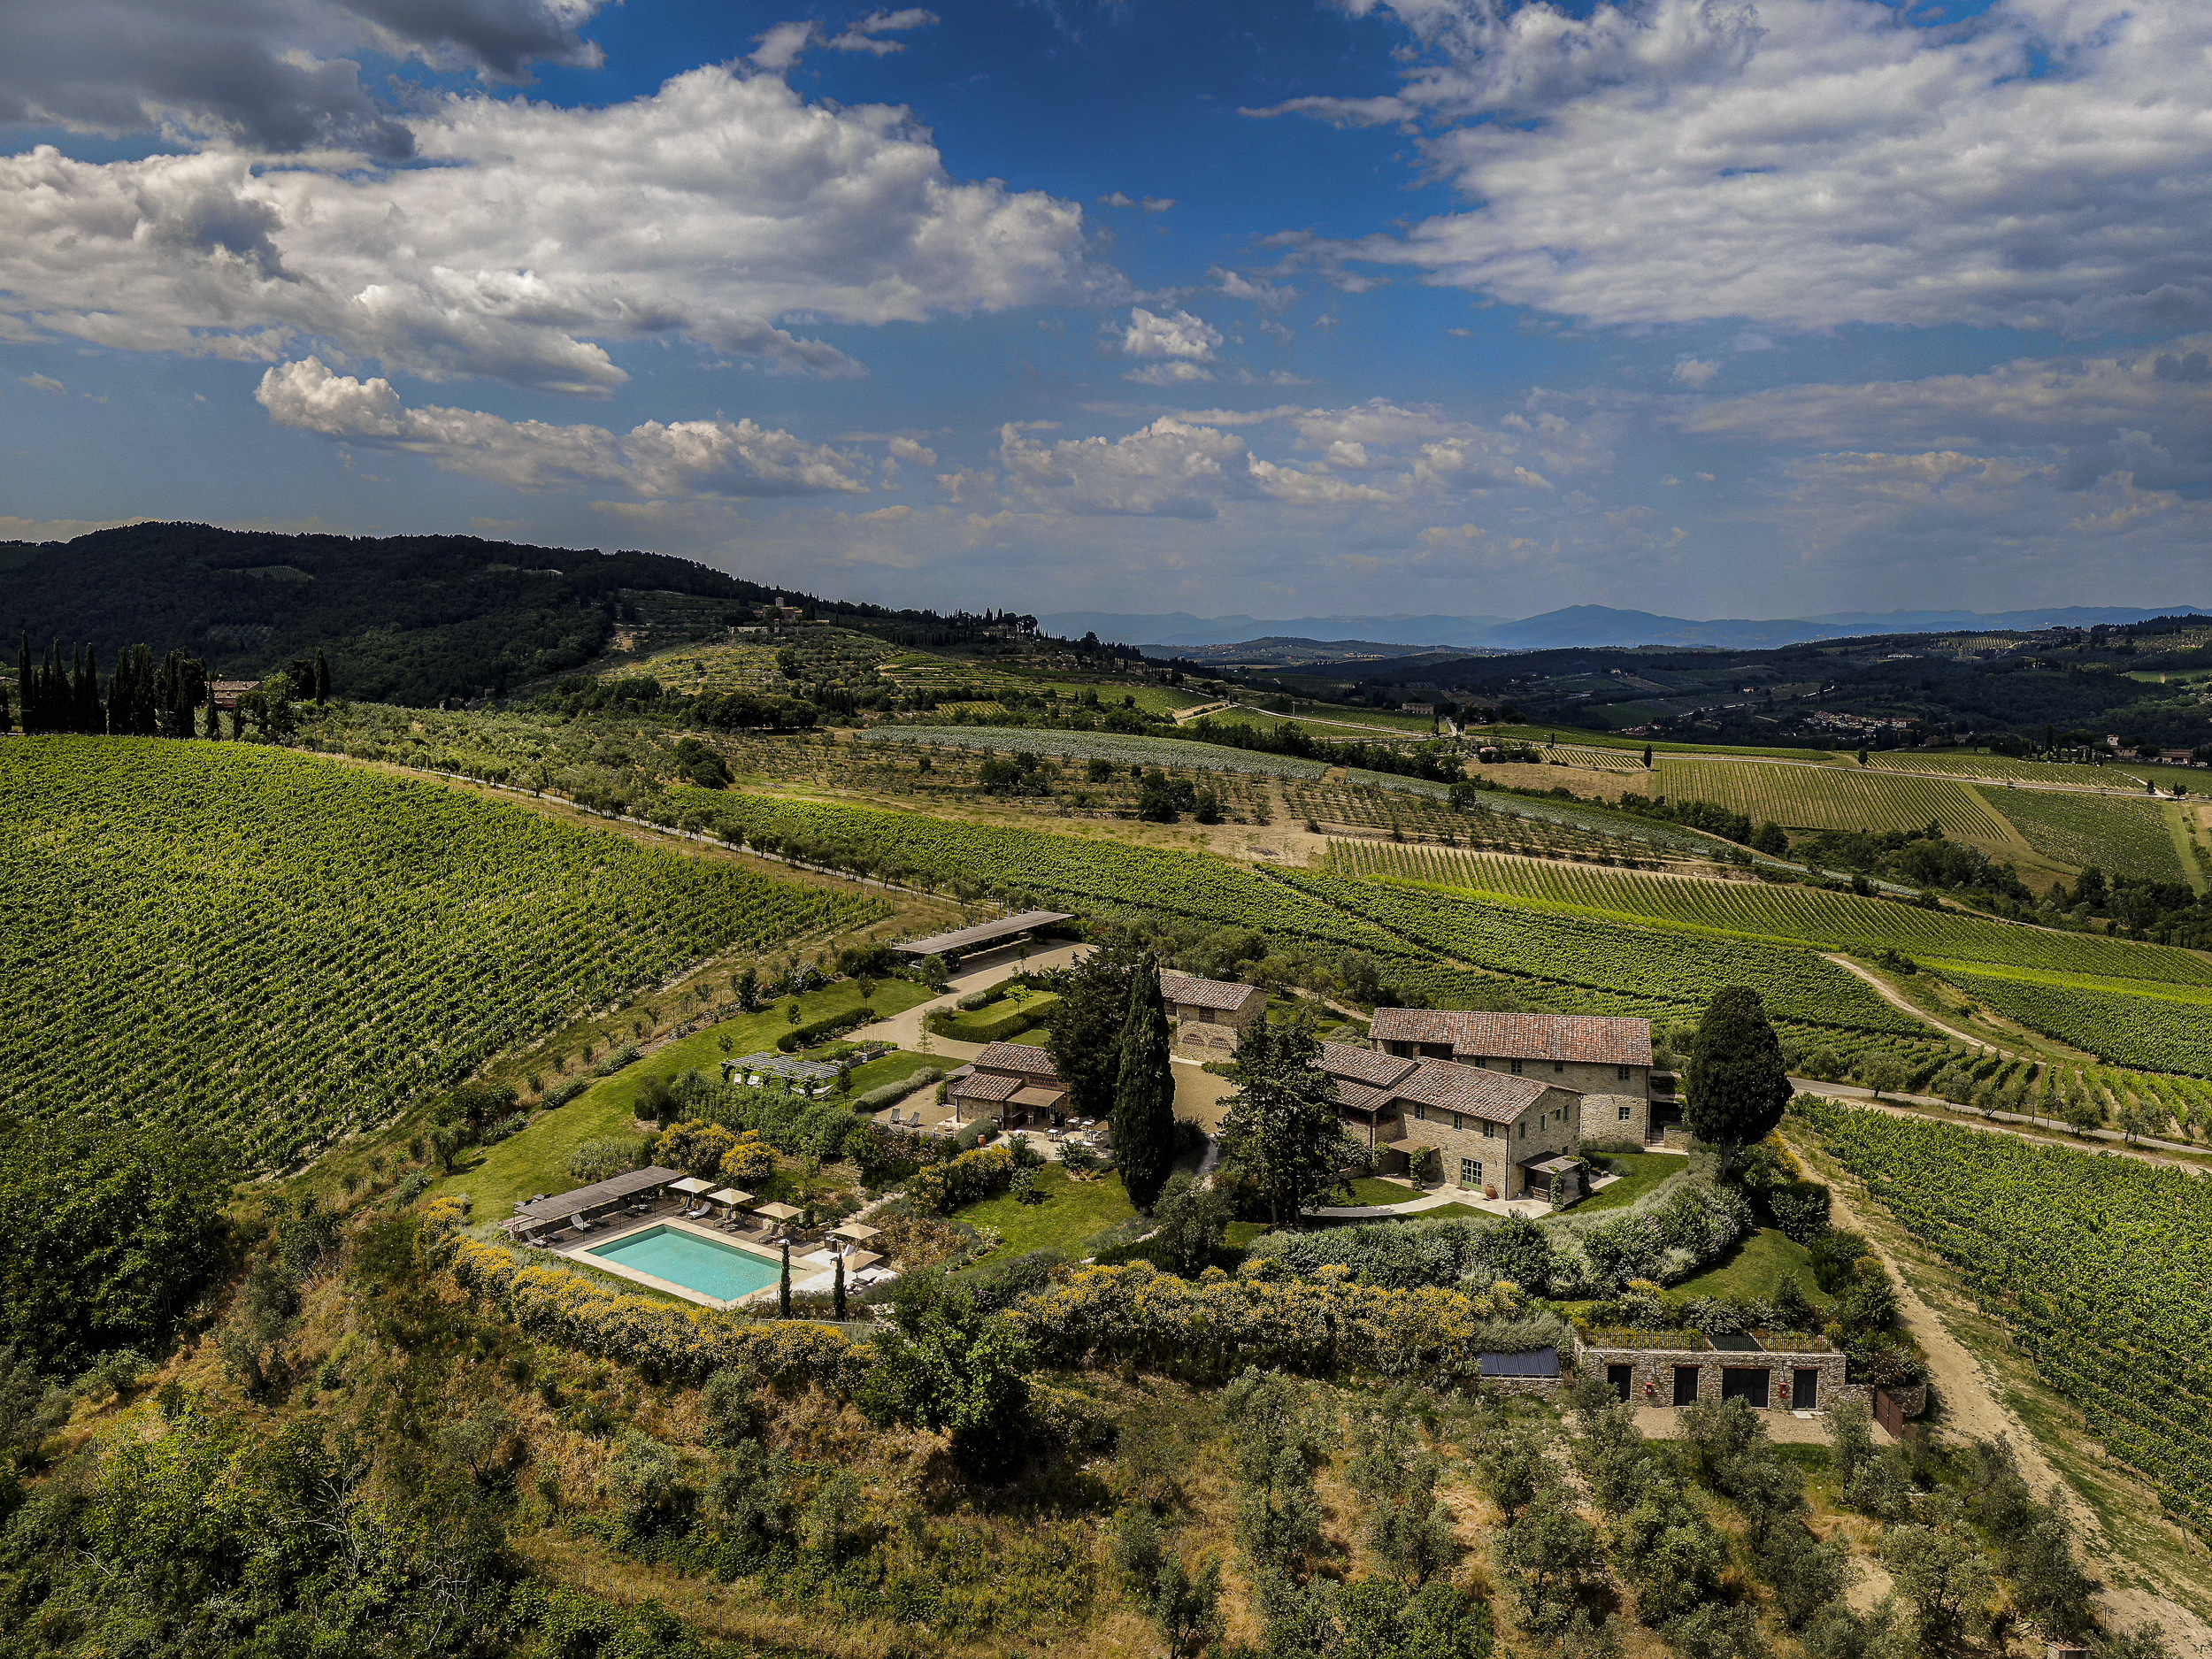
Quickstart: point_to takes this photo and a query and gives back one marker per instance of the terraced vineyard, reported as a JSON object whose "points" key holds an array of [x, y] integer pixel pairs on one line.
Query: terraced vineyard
{"points": [[1815, 915], [278, 948], [1830, 797], [1120, 749], [2131, 1023], [938, 852], [1608, 955], [2119, 835], [2001, 768], [2102, 1265]]}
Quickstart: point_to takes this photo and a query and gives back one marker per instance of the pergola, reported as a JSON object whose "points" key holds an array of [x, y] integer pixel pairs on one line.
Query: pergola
{"points": [[982, 936]]}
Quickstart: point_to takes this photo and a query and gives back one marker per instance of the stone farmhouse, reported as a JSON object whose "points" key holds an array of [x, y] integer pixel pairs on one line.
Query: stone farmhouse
{"points": [[1491, 1133], [1605, 1063], [1010, 1083], [1210, 1015]]}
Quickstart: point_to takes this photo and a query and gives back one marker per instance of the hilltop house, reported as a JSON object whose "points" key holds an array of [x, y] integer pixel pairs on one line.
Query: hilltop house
{"points": [[1010, 1083], [1605, 1063], [1211, 1014], [1490, 1132]]}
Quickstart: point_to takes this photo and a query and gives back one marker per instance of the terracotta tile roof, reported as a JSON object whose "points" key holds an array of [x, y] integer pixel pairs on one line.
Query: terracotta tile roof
{"points": [[982, 1086], [1017, 1057], [1587, 1039], [1442, 1086], [1360, 1098], [1195, 992], [1363, 1065]]}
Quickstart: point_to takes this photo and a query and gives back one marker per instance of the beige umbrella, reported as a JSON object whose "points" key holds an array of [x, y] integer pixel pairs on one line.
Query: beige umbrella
{"points": [[780, 1212], [690, 1183], [729, 1195], [860, 1259], [859, 1232]]}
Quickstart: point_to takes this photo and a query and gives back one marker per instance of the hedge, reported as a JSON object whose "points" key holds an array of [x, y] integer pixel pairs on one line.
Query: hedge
{"points": [[938, 1187], [1213, 1327], [998, 1027], [822, 1030], [890, 1093]]}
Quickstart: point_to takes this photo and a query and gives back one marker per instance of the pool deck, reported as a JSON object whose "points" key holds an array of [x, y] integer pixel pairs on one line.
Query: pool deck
{"points": [[812, 1273]]}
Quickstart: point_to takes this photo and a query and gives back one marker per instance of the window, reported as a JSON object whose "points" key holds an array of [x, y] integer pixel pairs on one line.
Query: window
{"points": [[1524, 1132], [1516, 1068], [1458, 1122], [1559, 1065], [1628, 1112], [1489, 1132], [1420, 1113], [1470, 1171], [1625, 1073]]}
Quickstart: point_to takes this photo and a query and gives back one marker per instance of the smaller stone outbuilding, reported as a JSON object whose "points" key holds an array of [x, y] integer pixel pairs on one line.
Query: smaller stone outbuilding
{"points": [[1211, 1016], [1768, 1370], [1010, 1083]]}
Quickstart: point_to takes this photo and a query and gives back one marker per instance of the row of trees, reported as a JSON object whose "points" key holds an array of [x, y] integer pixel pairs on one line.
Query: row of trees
{"points": [[172, 697]]}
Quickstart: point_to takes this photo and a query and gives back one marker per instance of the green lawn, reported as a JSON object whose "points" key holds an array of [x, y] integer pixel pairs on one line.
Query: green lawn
{"points": [[1074, 1213], [1756, 1267], [1454, 1212], [1640, 1171], [977, 1024], [536, 1160], [1370, 1190]]}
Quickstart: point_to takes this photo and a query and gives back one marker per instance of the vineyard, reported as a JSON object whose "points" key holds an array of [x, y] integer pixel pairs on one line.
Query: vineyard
{"points": [[2154, 1027], [1107, 746], [1604, 956], [2002, 769], [2102, 1265], [2119, 835], [1813, 916], [912, 848], [276, 948], [1829, 797]]}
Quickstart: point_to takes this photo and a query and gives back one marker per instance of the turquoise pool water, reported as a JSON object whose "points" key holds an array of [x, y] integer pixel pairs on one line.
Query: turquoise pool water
{"points": [[711, 1268]]}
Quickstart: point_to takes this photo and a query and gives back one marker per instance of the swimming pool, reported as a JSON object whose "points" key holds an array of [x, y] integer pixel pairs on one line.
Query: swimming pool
{"points": [[706, 1265]]}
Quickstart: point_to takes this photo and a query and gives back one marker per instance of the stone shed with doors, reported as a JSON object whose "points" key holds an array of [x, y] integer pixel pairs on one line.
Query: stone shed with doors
{"points": [[1768, 1370], [1211, 1016]]}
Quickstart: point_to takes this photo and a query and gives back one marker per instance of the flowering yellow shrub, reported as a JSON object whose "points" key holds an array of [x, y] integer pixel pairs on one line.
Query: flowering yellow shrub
{"points": [[750, 1161]]}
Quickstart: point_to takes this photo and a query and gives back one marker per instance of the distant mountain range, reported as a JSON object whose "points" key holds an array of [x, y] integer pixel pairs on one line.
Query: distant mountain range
{"points": [[1165, 635]]}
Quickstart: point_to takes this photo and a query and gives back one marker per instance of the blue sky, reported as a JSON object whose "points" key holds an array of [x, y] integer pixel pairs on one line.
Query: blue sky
{"points": [[1443, 305]]}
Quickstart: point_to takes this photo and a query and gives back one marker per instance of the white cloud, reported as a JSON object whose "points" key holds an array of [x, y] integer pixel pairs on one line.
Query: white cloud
{"points": [[45, 383], [268, 76], [1177, 334], [1116, 198], [1175, 374], [1695, 372], [712, 211], [1156, 203], [1266, 294], [684, 458], [1173, 468], [782, 44], [2046, 164], [908, 449], [2148, 413]]}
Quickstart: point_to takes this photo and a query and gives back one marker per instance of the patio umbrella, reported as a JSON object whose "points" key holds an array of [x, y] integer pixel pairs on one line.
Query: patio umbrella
{"points": [[859, 1232], [859, 1261], [780, 1212], [690, 1183], [729, 1195]]}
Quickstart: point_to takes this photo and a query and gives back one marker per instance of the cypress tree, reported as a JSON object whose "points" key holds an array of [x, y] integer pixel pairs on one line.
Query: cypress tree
{"points": [[837, 1289], [1739, 1083], [1144, 1092], [214, 719], [91, 717], [1086, 1023], [783, 1285], [322, 678], [24, 699]]}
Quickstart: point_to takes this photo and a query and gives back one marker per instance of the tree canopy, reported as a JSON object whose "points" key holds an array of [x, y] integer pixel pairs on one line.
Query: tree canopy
{"points": [[1144, 1092], [1739, 1082], [1282, 1133]]}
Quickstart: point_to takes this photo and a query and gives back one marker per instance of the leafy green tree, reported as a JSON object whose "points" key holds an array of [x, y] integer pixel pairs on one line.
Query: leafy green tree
{"points": [[1192, 1220], [951, 1368], [1086, 1022], [1144, 1092], [1379, 1619], [1187, 1606], [1739, 1083], [1885, 1074], [1282, 1133], [112, 1235], [1940, 1571], [1548, 1552]]}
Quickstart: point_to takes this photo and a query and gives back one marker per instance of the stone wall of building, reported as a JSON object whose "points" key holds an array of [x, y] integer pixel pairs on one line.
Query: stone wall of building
{"points": [[1616, 1117], [1652, 1381]]}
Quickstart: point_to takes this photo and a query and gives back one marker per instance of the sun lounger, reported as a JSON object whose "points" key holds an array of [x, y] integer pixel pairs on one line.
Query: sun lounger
{"points": [[580, 1223]]}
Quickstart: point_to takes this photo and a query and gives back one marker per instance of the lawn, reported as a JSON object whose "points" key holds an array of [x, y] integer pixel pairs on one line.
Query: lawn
{"points": [[1756, 1267], [1074, 1213], [536, 1160], [1640, 1172], [1370, 1190]]}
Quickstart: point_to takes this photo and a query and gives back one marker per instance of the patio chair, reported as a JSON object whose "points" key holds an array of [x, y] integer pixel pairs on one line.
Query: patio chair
{"points": [[580, 1223]]}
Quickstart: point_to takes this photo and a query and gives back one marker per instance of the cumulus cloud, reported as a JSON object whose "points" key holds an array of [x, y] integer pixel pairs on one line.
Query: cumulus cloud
{"points": [[712, 211], [1696, 372], [782, 44], [1266, 294], [681, 459], [1807, 163], [1177, 334], [1173, 469], [269, 75]]}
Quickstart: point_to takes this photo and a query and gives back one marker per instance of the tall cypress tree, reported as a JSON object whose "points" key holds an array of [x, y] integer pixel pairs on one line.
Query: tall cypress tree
{"points": [[1086, 1023], [25, 698], [1144, 1092], [1739, 1083], [322, 677], [91, 719]]}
